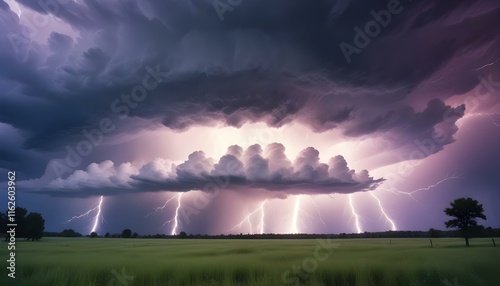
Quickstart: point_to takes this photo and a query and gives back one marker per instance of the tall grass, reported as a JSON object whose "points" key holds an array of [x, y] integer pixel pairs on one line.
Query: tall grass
{"points": [[86, 262]]}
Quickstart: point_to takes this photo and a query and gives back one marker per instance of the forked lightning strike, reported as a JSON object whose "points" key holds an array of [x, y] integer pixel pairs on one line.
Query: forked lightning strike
{"points": [[356, 216], [382, 210], [316, 207], [176, 217], [248, 219], [156, 209], [96, 219], [410, 194], [97, 208]]}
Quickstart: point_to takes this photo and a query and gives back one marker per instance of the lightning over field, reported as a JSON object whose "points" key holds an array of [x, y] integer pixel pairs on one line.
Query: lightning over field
{"points": [[355, 216], [96, 217], [289, 117]]}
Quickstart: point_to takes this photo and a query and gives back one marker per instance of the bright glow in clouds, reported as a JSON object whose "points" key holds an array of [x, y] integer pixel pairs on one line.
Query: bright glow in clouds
{"points": [[14, 7]]}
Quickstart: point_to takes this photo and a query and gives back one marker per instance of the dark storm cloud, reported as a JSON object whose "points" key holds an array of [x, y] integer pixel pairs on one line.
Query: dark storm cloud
{"points": [[273, 62], [239, 170]]}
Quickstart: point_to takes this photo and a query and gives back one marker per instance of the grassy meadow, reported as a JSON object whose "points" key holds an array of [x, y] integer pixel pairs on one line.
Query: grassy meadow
{"points": [[99, 261]]}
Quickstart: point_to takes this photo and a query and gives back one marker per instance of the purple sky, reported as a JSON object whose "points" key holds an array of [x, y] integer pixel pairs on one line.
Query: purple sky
{"points": [[250, 116]]}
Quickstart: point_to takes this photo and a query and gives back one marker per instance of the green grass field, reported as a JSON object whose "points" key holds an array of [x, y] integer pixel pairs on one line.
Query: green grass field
{"points": [[85, 261]]}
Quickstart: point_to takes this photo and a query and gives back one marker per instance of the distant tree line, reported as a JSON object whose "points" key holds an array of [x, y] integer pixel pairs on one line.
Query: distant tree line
{"points": [[432, 233], [29, 225]]}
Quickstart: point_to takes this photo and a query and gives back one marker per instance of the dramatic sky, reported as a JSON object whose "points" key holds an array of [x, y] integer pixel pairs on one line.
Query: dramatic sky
{"points": [[250, 116]]}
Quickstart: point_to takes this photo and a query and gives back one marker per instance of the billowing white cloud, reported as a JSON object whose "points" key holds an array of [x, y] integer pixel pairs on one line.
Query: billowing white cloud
{"points": [[241, 170]]}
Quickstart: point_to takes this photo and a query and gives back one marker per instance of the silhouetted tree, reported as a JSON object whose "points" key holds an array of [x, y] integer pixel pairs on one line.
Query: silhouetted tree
{"points": [[93, 234], [434, 233], [135, 235], [107, 235], [465, 212], [35, 225], [182, 234], [21, 222], [126, 233], [70, 233]]}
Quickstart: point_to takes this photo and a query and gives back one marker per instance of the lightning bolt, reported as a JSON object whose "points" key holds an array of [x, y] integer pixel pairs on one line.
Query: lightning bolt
{"points": [[410, 194], [405, 169], [488, 64], [247, 219], [176, 217], [356, 216], [156, 209], [382, 210], [316, 207], [294, 227], [485, 115], [262, 214], [96, 219], [87, 213]]}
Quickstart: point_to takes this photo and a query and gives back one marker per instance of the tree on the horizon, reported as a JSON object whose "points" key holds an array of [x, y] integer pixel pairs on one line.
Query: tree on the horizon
{"points": [[93, 234], [35, 225], [70, 233], [126, 233], [29, 226], [4, 220], [465, 211]]}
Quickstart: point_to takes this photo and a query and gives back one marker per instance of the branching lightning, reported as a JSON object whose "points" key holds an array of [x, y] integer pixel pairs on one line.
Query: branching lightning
{"points": [[489, 116], [248, 219], [176, 217], [356, 216], [156, 209], [410, 194], [98, 216], [382, 210], [96, 219], [316, 207]]}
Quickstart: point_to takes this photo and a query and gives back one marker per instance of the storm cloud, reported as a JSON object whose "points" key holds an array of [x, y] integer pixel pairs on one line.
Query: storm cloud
{"points": [[239, 170], [275, 63]]}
